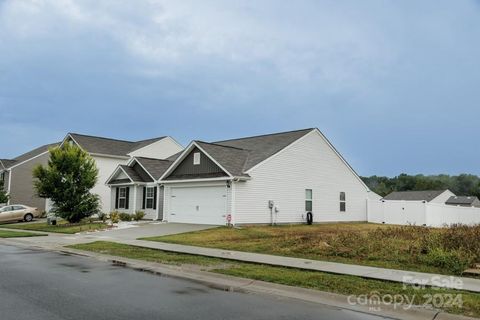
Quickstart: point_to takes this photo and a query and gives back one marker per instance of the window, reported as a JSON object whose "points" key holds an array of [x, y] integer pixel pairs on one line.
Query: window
{"points": [[196, 158], [122, 198], [308, 199], [149, 197], [343, 202]]}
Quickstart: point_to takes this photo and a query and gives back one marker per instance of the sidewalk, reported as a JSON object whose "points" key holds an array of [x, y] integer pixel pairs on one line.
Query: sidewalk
{"points": [[429, 279]]}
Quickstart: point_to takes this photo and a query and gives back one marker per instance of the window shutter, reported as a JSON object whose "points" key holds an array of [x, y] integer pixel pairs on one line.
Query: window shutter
{"points": [[116, 198], [155, 198], [127, 197], [144, 196]]}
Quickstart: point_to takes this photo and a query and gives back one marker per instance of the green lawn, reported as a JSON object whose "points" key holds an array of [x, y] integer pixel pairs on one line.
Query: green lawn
{"points": [[341, 284], [61, 227], [446, 251], [18, 234]]}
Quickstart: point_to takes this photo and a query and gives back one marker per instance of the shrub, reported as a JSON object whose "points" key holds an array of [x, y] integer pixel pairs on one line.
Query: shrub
{"points": [[102, 216], [115, 216], [139, 215], [125, 216], [455, 261]]}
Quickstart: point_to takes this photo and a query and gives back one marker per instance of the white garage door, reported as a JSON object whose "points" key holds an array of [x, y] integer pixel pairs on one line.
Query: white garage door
{"points": [[202, 205]]}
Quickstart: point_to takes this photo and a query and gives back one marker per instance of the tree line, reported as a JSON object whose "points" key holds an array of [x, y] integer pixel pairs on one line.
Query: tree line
{"points": [[461, 185]]}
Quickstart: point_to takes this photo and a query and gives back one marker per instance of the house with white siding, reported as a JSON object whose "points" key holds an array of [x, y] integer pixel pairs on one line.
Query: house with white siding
{"points": [[274, 178], [110, 153], [17, 177]]}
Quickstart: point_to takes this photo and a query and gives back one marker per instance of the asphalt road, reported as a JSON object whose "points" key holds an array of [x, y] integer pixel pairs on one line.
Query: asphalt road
{"points": [[38, 285]]}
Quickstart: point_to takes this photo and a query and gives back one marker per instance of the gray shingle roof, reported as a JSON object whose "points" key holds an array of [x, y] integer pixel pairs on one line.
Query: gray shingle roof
{"points": [[135, 176], [28, 155], [414, 195], [462, 200], [107, 146], [7, 163], [263, 147], [155, 167], [230, 158], [239, 155]]}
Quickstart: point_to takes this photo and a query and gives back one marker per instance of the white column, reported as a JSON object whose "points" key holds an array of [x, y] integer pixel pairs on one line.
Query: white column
{"points": [[135, 187]]}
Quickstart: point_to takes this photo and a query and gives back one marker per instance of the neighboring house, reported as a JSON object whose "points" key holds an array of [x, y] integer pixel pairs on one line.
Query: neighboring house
{"points": [[259, 180], [109, 153], [16, 176], [432, 196], [463, 201], [134, 187]]}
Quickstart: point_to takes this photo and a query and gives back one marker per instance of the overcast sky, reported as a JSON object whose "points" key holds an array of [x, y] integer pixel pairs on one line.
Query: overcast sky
{"points": [[395, 85]]}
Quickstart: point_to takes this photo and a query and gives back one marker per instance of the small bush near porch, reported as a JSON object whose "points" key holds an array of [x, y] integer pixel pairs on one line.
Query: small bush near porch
{"points": [[447, 251]]}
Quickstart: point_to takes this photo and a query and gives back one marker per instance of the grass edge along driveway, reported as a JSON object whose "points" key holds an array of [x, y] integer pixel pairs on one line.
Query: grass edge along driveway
{"points": [[61, 227], [340, 284], [18, 234]]}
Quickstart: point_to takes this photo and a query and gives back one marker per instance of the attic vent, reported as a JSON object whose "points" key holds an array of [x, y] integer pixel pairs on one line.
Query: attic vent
{"points": [[196, 158]]}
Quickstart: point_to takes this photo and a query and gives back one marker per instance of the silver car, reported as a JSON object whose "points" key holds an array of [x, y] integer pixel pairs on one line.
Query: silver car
{"points": [[18, 212]]}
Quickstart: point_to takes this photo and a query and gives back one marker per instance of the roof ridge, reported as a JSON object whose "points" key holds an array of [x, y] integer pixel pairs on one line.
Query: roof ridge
{"points": [[267, 134], [104, 138], [155, 138], [152, 159], [220, 145]]}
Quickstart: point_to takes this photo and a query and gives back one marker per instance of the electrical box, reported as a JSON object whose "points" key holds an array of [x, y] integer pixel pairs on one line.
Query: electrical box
{"points": [[270, 204]]}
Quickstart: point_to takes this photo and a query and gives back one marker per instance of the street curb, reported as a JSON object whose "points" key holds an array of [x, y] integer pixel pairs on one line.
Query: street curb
{"points": [[237, 284]]}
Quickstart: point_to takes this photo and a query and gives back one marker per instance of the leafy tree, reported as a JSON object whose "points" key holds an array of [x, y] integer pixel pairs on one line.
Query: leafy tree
{"points": [[67, 180], [3, 195]]}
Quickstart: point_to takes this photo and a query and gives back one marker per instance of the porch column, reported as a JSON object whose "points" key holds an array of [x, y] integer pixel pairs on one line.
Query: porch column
{"points": [[135, 187]]}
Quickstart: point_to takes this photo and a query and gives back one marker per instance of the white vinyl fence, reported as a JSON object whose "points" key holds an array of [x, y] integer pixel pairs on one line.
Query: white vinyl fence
{"points": [[420, 213]]}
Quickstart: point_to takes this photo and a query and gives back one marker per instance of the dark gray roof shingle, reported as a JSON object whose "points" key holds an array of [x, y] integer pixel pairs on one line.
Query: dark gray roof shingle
{"points": [[230, 158], [135, 176], [155, 167], [107, 146], [239, 155], [263, 147], [7, 163], [414, 195]]}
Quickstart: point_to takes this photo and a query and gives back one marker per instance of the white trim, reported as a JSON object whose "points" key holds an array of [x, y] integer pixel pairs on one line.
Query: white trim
{"points": [[112, 175], [135, 189], [197, 158], [182, 157], [122, 184], [9, 184], [196, 180], [158, 202], [107, 156], [70, 136], [29, 159], [146, 197], [304, 137], [120, 197]]}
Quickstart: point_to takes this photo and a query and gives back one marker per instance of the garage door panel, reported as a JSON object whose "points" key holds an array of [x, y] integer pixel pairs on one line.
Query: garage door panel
{"points": [[203, 205]]}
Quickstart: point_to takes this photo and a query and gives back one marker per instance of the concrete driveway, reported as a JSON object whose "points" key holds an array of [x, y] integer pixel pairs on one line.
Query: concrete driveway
{"points": [[132, 232], [149, 229]]}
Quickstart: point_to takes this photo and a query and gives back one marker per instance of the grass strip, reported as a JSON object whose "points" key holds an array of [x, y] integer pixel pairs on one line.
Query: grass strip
{"points": [[340, 284]]}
